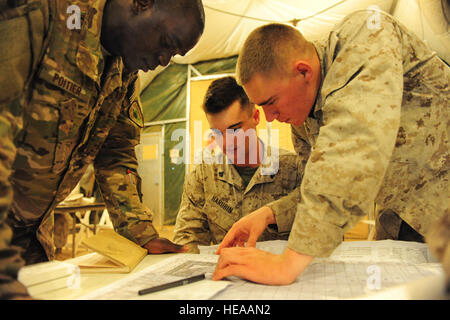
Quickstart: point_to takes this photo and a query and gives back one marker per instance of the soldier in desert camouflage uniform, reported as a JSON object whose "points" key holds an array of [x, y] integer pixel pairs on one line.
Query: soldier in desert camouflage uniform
{"points": [[368, 107], [220, 190], [68, 98]]}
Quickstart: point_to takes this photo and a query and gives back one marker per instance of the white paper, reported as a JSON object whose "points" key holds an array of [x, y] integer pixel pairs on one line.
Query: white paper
{"points": [[172, 269], [273, 246], [354, 269], [45, 272], [385, 251]]}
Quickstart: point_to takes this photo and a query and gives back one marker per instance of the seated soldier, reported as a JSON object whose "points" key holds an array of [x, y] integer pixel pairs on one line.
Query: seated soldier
{"points": [[233, 179]]}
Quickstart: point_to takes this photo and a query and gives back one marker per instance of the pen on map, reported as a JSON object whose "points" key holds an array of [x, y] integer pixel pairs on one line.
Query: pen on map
{"points": [[174, 284]]}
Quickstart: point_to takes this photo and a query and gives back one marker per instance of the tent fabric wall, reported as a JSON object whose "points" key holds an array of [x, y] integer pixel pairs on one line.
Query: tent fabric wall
{"points": [[228, 23], [165, 98], [173, 176]]}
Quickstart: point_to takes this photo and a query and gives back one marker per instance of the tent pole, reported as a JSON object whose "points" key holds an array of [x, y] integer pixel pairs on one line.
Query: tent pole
{"points": [[162, 189], [187, 149]]}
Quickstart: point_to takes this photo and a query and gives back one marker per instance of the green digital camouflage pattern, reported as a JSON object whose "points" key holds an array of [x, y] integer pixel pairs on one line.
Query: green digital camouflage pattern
{"points": [[215, 197], [379, 134], [80, 108], [16, 59]]}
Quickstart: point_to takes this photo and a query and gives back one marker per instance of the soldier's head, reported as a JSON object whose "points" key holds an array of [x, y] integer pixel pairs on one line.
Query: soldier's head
{"points": [[233, 119], [148, 33], [280, 71]]}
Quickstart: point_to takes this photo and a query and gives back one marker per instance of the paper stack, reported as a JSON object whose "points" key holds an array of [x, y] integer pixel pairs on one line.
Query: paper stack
{"points": [[49, 276]]}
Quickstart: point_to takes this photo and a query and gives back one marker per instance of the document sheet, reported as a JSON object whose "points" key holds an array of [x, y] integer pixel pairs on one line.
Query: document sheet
{"points": [[171, 269], [354, 269]]}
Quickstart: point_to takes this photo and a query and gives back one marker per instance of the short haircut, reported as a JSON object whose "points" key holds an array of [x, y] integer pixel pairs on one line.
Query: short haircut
{"points": [[269, 49], [222, 93], [195, 7]]}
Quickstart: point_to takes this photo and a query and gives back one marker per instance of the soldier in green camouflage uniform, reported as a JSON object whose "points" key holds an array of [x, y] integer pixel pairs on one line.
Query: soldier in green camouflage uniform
{"points": [[218, 193], [369, 109], [68, 98]]}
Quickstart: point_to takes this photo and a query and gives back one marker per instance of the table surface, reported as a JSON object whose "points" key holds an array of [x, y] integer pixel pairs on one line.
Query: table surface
{"points": [[68, 207], [93, 281], [424, 288]]}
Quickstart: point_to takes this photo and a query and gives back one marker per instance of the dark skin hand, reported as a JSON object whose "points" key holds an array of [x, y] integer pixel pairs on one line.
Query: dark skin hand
{"points": [[163, 245]]}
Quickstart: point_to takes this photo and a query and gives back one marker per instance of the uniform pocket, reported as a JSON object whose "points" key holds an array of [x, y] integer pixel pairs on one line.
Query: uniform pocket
{"points": [[52, 126], [39, 136], [59, 107], [221, 214], [72, 114]]}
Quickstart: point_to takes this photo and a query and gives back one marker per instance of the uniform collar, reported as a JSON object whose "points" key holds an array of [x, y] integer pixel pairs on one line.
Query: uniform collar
{"points": [[264, 174], [311, 125], [227, 172], [319, 45]]}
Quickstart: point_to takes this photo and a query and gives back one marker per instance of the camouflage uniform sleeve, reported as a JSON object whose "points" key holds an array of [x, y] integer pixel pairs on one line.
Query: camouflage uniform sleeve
{"points": [[438, 240], [285, 208], [18, 52], [362, 95], [116, 174], [192, 226], [10, 260]]}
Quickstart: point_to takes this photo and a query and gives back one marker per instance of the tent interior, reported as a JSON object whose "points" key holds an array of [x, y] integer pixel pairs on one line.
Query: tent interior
{"points": [[175, 125]]}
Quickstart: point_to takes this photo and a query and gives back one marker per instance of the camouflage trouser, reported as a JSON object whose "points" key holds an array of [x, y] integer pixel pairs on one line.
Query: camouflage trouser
{"points": [[10, 256], [20, 46], [25, 238], [10, 124]]}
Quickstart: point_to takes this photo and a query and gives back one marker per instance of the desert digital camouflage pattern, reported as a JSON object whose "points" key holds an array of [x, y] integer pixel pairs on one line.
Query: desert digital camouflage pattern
{"points": [[378, 134], [214, 198], [438, 239], [80, 108]]}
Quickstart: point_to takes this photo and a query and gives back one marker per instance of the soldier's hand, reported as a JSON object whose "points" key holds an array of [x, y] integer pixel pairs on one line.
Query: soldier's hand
{"points": [[248, 229], [260, 266], [163, 245]]}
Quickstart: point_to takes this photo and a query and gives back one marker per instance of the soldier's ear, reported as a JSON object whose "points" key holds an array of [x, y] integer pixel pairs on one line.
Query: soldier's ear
{"points": [[304, 69]]}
